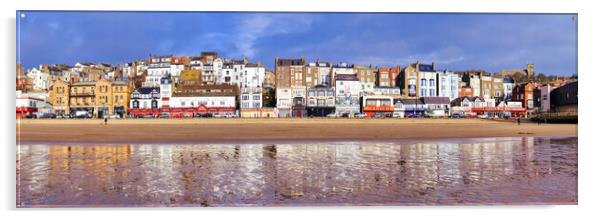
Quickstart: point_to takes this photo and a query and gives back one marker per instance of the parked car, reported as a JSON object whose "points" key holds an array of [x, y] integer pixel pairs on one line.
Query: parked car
{"points": [[359, 115], [46, 116], [31, 116], [482, 116], [470, 115], [82, 115], [206, 115], [398, 115], [164, 115], [332, 115], [456, 116]]}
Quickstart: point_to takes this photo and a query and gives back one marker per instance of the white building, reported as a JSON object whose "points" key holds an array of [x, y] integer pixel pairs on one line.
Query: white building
{"points": [[475, 84], [347, 94], [449, 84], [166, 90], [212, 68], [428, 82], [545, 98], [206, 101], [195, 63], [253, 76], [486, 82], [343, 68], [508, 86], [39, 79], [251, 98], [176, 67], [324, 74], [158, 67], [284, 101], [148, 98]]}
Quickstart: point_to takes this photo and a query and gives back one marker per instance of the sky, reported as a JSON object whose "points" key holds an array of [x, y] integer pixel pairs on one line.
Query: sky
{"points": [[492, 42]]}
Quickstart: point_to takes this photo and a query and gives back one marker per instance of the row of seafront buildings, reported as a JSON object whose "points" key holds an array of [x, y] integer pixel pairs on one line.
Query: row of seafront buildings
{"points": [[185, 86]]}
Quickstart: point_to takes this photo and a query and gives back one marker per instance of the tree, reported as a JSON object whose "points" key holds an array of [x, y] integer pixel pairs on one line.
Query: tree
{"points": [[269, 98], [541, 78], [519, 77]]}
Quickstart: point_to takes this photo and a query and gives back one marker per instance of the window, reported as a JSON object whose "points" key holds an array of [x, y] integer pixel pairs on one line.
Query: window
{"points": [[135, 104], [431, 82], [245, 97], [154, 104], [256, 105], [321, 102], [432, 92], [256, 97], [422, 82], [423, 92]]}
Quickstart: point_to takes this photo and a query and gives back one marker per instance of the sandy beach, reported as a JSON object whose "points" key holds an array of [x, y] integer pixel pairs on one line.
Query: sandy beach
{"points": [[222, 130]]}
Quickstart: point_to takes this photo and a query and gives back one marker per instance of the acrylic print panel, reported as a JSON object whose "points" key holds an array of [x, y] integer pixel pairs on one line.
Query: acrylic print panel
{"points": [[170, 109]]}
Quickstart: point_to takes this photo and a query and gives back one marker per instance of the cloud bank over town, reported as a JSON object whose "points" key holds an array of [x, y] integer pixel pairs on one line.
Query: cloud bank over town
{"points": [[492, 42]]}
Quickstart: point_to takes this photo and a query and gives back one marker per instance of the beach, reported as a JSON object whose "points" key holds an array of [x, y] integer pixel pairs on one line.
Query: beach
{"points": [[204, 130]]}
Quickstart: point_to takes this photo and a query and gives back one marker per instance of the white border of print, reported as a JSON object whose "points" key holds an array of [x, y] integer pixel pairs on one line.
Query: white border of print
{"points": [[590, 150]]}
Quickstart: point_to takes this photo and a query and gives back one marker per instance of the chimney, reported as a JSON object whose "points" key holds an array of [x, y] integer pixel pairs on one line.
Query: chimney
{"points": [[433, 65]]}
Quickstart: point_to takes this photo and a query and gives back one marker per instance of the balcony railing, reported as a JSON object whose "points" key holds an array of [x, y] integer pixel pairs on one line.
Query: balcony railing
{"points": [[82, 93]]}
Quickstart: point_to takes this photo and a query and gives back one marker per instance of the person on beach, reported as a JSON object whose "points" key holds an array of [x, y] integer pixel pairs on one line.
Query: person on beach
{"points": [[518, 120], [106, 118]]}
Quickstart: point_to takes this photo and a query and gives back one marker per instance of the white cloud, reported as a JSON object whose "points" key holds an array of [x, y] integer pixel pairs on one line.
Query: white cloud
{"points": [[252, 27]]}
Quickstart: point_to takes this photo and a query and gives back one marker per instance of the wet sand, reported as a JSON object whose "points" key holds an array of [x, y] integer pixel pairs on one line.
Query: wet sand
{"points": [[255, 130]]}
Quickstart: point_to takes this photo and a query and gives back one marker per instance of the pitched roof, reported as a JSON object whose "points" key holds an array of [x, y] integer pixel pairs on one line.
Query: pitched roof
{"points": [[435, 100], [425, 68], [410, 101], [346, 77], [147, 90]]}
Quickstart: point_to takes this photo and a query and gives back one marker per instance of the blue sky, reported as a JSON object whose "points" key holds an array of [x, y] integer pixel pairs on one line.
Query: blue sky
{"points": [[492, 42]]}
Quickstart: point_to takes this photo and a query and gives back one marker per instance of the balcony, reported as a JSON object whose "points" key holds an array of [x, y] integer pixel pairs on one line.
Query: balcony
{"points": [[82, 94]]}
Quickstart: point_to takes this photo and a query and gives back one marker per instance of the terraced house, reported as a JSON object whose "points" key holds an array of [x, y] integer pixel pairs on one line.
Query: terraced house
{"points": [[290, 83], [112, 98], [59, 98]]}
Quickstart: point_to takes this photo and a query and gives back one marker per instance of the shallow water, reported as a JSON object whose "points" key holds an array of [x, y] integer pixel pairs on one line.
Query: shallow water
{"points": [[527, 170]]}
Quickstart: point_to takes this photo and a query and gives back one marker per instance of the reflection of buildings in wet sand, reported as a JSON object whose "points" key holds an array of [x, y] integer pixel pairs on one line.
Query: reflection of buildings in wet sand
{"points": [[291, 167], [217, 174], [294, 171], [270, 172], [374, 172], [191, 172], [419, 164], [235, 174], [32, 164], [156, 172], [88, 173]]}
